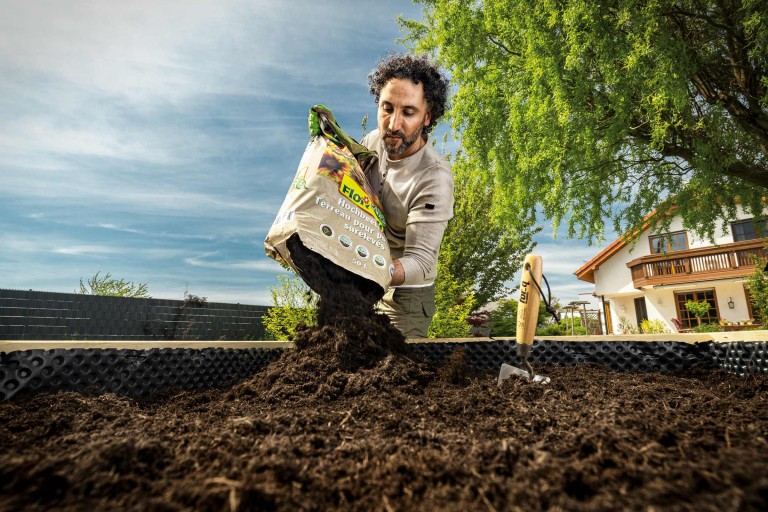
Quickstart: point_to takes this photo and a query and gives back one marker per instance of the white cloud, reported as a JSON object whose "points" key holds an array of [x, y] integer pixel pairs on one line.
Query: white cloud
{"points": [[564, 257], [147, 50], [206, 261], [165, 194], [96, 140], [160, 234], [15, 244], [119, 47], [24, 246], [86, 250]]}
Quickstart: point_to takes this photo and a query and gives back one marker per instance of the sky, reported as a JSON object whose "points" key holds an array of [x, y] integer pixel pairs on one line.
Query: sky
{"points": [[155, 140]]}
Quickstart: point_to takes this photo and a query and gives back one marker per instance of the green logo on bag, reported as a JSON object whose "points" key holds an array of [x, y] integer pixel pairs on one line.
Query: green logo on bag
{"points": [[300, 181], [349, 188]]}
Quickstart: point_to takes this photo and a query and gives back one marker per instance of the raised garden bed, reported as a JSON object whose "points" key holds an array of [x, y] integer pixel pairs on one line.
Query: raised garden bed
{"points": [[665, 425]]}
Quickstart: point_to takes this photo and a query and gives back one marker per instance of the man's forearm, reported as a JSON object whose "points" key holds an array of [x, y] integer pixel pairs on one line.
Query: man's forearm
{"points": [[398, 276]]}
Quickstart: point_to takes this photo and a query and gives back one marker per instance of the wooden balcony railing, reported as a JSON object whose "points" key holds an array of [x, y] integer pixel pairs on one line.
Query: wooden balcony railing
{"points": [[702, 264]]}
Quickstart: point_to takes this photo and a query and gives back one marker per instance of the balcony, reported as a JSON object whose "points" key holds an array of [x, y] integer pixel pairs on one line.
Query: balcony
{"points": [[701, 264]]}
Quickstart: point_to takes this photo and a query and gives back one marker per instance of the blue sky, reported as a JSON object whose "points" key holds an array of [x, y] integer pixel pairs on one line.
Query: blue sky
{"points": [[156, 140]]}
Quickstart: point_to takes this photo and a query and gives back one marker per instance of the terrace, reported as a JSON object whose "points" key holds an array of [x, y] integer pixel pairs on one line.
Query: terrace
{"points": [[700, 264]]}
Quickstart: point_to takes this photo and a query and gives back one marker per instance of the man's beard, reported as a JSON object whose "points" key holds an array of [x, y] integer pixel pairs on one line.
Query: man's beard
{"points": [[405, 142]]}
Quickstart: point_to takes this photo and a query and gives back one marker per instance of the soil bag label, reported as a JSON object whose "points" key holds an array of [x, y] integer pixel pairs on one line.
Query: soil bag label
{"points": [[332, 207]]}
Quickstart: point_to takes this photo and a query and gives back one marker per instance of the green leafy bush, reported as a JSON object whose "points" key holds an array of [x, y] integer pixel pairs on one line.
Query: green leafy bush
{"points": [[552, 330], [563, 328], [110, 287], [293, 303], [653, 327], [627, 327], [708, 328], [757, 284], [453, 304], [503, 319]]}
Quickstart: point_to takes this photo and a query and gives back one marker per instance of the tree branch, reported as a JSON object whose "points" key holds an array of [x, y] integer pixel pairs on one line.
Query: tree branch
{"points": [[501, 45]]}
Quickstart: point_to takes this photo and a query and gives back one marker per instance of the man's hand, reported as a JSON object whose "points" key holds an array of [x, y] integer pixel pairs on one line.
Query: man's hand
{"points": [[398, 277]]}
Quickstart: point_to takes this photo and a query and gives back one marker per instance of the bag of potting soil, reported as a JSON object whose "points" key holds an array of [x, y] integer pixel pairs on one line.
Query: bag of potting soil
{"points": [[331, 207]]}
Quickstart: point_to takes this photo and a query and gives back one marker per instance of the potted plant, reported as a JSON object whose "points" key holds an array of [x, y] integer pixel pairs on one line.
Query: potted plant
{"points": [[697, 308]]}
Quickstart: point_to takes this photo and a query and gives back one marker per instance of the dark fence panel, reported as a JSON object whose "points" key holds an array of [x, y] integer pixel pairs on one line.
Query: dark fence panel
{"points": [[36, 315]]}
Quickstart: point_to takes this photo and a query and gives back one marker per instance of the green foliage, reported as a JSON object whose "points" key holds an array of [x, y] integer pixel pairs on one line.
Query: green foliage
{"points": [[653, 327], [293, 303], [552, 330], [708, 328], [503, 319], [107, 286], [627, 327], [757, 284], [477, 250], [478, 255], [545, 317], [563, 328], [697, 308], [595, 112], [453, 305]]}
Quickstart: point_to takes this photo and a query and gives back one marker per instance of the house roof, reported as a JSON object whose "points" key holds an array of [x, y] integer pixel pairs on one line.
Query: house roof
{"points": [[587, 271]]}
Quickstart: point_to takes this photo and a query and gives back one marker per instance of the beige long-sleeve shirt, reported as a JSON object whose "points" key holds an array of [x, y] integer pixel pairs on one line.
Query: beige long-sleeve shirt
{"points": [[417, 198]]}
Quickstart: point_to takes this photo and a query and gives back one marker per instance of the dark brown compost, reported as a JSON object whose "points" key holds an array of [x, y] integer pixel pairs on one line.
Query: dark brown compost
{"points": [[350, 420]]}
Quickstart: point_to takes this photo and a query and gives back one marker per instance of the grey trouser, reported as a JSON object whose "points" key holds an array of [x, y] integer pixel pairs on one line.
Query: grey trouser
{"points": [[410, 309]]}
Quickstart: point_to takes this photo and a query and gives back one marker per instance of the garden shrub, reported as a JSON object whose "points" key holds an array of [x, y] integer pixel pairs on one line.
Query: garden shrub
{"points": [[653, 327], [293, 304], [708, 328]]}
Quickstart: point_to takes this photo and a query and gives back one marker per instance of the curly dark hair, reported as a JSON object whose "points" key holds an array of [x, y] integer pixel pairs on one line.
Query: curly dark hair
{"points": [[418, 69]]}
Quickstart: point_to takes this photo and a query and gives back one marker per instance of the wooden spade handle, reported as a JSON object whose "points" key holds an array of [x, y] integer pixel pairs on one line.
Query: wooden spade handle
{"points": [[528, 304]]}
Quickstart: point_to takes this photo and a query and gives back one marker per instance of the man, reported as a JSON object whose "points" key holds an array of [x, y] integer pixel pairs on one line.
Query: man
{"points": [[414, 183]]}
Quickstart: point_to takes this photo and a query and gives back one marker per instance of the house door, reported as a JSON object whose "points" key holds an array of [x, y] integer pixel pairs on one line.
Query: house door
{"points": [[608, 319], [641, 313]]}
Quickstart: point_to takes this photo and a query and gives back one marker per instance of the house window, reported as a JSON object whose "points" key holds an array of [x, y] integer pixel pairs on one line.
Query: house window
{"points": [[676, 241], [686, 318], [748, 230]]}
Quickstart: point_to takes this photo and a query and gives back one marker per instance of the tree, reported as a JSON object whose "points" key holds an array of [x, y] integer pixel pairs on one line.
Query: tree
{"points": [[598, 111], [477, 250], [504, 318], [293, 304], [110, 287], [478, 255], [697, 308], [757, 284], [453, 304]]}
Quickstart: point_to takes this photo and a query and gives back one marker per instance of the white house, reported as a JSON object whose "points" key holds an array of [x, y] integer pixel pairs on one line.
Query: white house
{"points": [[655, 278]]}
